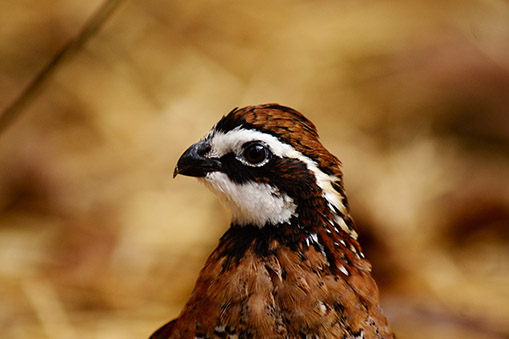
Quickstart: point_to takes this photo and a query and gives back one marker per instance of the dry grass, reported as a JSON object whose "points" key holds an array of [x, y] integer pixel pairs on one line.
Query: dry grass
{"points": [[97, 241]]}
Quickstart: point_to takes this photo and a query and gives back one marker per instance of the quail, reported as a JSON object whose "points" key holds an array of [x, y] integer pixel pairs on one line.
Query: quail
{"points": [[290, 264]]}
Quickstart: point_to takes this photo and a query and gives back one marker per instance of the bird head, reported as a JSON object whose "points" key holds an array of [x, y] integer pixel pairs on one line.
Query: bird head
{"points": [[268, 167]]}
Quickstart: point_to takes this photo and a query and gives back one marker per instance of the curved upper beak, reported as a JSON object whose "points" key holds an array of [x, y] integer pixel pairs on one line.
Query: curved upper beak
{"points": [[194, 163]]}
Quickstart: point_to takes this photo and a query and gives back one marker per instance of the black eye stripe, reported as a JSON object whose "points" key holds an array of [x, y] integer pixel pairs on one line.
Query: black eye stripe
{"points": [[290, 176]]}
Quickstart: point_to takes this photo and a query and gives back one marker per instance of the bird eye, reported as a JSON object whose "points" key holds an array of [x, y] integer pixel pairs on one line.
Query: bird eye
{"points": [[255, 153]]}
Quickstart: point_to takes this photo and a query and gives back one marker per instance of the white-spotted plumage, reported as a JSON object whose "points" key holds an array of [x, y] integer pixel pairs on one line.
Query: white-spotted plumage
{"points": [[343, 270]]}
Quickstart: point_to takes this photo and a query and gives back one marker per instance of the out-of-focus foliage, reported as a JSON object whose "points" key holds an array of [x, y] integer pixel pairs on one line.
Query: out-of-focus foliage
{"points": [[97, 241]]}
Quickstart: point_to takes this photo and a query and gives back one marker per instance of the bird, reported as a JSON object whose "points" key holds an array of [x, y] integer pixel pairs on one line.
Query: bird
{"points": [[290, 264]]}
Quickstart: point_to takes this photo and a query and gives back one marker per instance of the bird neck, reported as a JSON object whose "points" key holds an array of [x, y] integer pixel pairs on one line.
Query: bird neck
{"points": [[322, 230]]}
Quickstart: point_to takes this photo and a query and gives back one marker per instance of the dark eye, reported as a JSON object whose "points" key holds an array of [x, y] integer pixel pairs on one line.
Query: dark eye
{"points": [[255, 153]]}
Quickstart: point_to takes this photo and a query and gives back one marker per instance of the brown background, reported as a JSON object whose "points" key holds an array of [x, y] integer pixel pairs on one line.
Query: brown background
{"points": [[97, 240]]}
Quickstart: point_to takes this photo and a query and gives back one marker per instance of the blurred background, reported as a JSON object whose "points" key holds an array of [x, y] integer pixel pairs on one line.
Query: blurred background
{"points": [[98, 241]]}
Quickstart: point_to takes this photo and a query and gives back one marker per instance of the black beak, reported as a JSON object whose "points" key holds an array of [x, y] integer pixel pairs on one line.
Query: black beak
{"points": [[194, 163]]}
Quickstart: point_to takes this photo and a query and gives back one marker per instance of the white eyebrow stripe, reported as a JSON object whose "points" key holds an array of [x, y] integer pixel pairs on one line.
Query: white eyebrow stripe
{"points": [[232, 141]]}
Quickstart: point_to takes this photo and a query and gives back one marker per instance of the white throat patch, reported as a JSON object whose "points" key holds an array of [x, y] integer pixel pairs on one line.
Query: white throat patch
{"points": [[251, 203]]}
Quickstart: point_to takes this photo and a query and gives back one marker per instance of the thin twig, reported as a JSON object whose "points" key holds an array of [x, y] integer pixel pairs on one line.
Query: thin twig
{"points": [[15, 109]]}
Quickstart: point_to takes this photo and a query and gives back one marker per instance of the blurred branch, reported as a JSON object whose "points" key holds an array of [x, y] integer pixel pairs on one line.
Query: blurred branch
{"points": [[15, 109]]}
